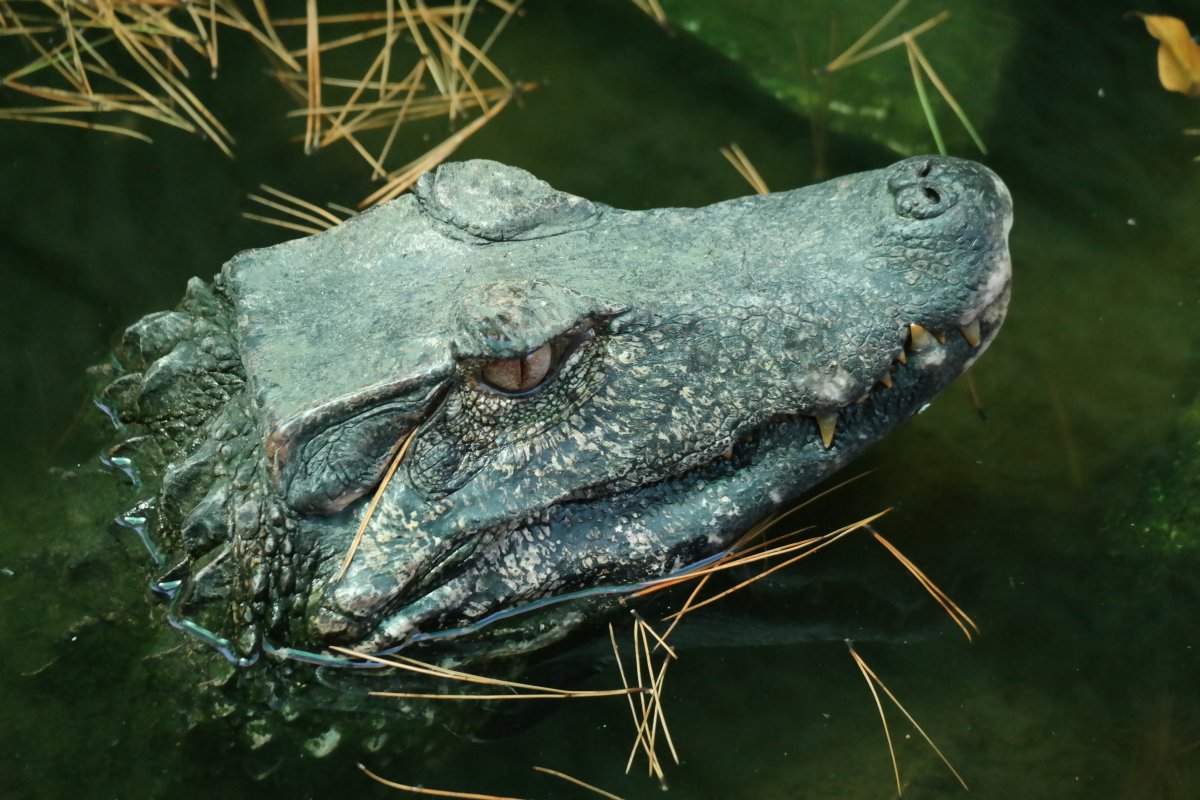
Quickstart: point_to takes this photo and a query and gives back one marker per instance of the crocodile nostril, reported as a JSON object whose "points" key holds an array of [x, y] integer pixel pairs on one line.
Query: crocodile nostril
{"points": [[924, 170], [917, 200]]}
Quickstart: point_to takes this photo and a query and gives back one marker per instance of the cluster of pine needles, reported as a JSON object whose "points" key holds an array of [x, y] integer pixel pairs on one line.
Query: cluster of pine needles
{"points": [[651, 654], [117, 66], [918, 63]]}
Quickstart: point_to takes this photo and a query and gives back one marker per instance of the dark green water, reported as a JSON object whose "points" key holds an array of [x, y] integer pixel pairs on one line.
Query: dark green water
{"points": [[1048, 522]]}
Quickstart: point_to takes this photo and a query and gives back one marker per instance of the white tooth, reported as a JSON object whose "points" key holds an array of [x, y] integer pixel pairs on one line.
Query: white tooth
{"points": [[886, 379], [921, 338], [970, 332], [827, 423]]}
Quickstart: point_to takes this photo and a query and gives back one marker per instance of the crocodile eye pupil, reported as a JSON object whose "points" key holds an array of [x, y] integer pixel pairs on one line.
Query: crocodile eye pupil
{"points": [[519, 374]]}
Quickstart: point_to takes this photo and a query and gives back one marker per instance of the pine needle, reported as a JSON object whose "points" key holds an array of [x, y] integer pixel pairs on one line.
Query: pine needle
{"points": [[444, 673], [625, 682], [312, 135], [660, 717], [960, 617], [867, 676], [577, 782], [805, 547], [687, 605], [821, 544], [915, 50], [415, 77], [174, 87], [924, 98], [403, 179], [307, 230], [871, 677], [327, 216], [270, 37], [319, 223], [75, 123], [651, 717], [431, 792], [435, 70], [662, 640], [335, 127], [478, 53], [895, 41], [390, 36], [866, 38], [362, 526], [84, 85], [652, 9], [312, 219], [734, 155], [522, 696]]}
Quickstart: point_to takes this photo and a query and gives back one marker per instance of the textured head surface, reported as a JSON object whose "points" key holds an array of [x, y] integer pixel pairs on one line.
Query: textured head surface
{"points": [[595, 397]]}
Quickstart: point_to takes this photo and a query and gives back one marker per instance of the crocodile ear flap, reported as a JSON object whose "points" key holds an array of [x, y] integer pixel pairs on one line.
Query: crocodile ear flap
{"points": [[500, 203], [328, 457]]}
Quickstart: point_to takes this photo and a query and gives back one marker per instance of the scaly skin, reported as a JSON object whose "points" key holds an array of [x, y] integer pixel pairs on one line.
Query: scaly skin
{"points": [[689, 354]]}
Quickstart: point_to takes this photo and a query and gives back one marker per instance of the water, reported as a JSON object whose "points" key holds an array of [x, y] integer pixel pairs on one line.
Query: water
{"points": [[1083, 681]]}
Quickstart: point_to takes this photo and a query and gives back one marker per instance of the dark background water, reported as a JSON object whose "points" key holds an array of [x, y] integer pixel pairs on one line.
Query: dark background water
{"points": [[1045, 521]]}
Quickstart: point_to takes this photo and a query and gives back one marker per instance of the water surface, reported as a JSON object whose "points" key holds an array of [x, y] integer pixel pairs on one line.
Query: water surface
{"points": [[1043, 521]]}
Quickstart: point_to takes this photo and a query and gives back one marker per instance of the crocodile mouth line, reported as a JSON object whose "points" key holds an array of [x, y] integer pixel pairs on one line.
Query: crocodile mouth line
{"points": [[963, 344], [732, 454]]}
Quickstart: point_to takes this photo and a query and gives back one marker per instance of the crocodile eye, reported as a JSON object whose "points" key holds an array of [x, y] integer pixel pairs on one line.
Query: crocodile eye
{"points": [[517, 375]]}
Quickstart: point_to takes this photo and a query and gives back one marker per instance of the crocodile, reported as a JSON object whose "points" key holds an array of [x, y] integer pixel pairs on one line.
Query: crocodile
{"points": [[530, 402]]}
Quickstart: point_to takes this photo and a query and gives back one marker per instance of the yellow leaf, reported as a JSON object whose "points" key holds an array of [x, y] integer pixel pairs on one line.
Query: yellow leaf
{"points": [[1178, 54]]}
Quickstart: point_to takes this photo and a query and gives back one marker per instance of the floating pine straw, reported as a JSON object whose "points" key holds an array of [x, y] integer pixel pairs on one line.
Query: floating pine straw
{"points": [[403, 179], [441, 81], [851, 51], [362, 526], [918, 64], [431, 792], [734, 155], [951, 608], [654, 10], [443, 673], [744, 547], [577, 782], [873, 681], [17, 116], [850, 58], [647, 712], [915, 50], [312, 60], [106, 57], [305, 217], [802, 549]]}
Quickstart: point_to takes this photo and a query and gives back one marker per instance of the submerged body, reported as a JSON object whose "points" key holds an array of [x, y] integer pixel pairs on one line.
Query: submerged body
{"points": [[591, 398]]}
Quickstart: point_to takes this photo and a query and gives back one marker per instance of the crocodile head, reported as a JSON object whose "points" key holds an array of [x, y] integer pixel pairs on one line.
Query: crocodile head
{"points": [[586, 397]]}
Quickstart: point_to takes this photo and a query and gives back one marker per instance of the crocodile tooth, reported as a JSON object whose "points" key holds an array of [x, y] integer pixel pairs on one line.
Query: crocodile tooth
{"points": [[970, 332], [827, 423], [886, 379], [728, 453], [921, 338], [903, 357]]}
